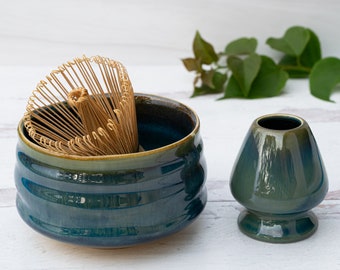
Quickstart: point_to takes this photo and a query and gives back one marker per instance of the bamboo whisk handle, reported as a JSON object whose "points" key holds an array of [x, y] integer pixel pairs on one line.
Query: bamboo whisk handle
{"points": [[77, 96]]}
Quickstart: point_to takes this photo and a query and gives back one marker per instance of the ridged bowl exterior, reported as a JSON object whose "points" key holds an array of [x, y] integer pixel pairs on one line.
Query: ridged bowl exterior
{"points": [[122, 200]]}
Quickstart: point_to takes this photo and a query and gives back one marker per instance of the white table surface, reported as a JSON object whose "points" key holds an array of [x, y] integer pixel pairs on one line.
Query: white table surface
{"points": [[150, 37], [213, 241]]}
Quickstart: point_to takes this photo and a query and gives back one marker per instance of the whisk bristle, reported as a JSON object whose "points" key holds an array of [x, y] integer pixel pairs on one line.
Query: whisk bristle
{"points": [[86, 107]]}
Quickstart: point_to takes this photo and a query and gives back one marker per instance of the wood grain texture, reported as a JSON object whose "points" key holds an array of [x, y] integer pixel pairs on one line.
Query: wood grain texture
{"points": [[212, 242], [150, 32]]}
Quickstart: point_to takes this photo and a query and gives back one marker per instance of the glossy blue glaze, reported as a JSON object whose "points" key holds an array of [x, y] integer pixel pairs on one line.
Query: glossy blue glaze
{"points": [[279, 174], [115, 201]]}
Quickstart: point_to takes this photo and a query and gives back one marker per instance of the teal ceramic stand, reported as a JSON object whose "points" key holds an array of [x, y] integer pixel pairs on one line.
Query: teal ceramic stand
{"points": [[278, 177], [277, 228]]}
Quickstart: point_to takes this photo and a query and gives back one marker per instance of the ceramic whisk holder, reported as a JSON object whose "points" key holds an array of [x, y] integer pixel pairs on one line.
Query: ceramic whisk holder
{"points": [[118, 200], [278, 177]]}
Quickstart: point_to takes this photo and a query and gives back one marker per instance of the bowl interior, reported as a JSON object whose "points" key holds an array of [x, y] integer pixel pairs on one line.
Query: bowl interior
{"points": [[160, 121]]}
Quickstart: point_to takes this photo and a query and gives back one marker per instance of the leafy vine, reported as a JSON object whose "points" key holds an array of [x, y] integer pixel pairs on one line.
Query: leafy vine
{"points": [[240, 72]]}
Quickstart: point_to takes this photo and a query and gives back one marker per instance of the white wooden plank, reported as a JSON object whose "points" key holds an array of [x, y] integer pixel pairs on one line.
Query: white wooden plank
{"points": [[213, 241], [150, 32]]}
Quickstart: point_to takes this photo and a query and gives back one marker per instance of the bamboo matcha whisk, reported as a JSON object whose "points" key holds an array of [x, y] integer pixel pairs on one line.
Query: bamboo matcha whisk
{"points": [[86, 107]]}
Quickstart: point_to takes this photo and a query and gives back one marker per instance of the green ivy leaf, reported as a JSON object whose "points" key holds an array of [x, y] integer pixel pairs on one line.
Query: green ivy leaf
{"points": [[245, 70], [203, 50], [192, 64], [324, 77], [312, 52], [292, 66], [233, 89], [293, 42], [212, 82], [219, 79], [300, 67], [302, 50], [269, 81], [207, 78], [204, 90], [241, 46]]}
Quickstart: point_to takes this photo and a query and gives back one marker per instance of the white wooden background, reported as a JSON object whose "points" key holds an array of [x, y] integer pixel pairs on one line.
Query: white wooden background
{"points": [[150, 37]]}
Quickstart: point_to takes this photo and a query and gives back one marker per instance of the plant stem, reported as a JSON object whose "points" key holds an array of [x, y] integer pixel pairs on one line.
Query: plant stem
{"points": [[296, 68]]}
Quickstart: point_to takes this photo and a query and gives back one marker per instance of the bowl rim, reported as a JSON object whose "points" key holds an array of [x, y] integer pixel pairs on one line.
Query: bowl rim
{"points": [[167, 147], [289, 116]]}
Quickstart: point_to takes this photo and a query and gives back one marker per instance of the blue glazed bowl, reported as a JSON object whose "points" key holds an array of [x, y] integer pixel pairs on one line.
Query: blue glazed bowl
{"points": [[121, 200]]}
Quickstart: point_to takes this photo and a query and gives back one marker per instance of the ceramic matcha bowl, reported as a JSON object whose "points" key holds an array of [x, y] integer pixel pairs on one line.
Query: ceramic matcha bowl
{"points": [[121, 200]]}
